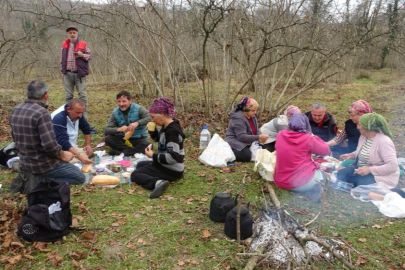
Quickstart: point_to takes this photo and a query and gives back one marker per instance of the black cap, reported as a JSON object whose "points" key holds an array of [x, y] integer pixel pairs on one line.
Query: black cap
{"points": [[71, 28]]}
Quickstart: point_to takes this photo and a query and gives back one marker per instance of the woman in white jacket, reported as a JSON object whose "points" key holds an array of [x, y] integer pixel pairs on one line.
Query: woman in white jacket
{"points": [[276, 125]]}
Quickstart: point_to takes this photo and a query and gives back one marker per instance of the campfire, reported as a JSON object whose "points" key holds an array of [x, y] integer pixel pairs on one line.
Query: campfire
{"points": [[280, 240]]}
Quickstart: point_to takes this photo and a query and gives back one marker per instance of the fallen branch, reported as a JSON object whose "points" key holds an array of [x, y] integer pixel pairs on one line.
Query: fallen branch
{"points": [[238, 211], [311, 221], [323, 204], [253, 261]]}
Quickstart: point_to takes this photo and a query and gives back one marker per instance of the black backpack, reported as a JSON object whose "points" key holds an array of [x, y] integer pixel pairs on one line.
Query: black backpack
{"points": [[37, 225]]}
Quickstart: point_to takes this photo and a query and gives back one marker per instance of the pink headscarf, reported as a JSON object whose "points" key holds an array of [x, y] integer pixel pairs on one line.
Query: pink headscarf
{"points": [[291, 110], [163, 106], [361, 107]]}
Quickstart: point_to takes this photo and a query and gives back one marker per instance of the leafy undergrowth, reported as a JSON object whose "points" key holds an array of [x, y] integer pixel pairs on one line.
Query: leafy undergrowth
{"points": [[122, 228]]}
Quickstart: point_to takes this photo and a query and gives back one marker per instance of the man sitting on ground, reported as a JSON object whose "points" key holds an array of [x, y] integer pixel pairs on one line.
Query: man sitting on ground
{"points": [[127, 117], [32, 131], [67, 120], [323, 124]]}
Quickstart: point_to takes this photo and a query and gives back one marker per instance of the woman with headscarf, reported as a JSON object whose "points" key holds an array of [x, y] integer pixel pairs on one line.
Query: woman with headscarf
{"points": [[350, 131], [276, 125], [243, 129], [295, 169], [168, 162], [375, 156]]}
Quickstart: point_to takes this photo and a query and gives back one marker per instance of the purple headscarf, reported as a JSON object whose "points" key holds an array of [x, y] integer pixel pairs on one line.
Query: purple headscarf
{"points": [[291, 110], [300, 123], [163, 106]]}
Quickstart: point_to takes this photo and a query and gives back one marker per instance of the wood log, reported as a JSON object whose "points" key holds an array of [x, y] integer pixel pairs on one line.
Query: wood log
{"points": [[253, 260]]}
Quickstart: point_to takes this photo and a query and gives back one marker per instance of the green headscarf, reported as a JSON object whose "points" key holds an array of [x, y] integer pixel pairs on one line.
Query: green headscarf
{"points": [[375, 122]]}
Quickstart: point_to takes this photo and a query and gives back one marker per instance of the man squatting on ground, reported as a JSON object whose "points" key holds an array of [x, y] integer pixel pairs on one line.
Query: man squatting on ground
{"points": [[75, 57], [127, 117], [67, 120], [35, 140]]}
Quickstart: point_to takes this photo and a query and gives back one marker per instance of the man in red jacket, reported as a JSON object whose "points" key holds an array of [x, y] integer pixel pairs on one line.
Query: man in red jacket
{"points": [[75, 57]]}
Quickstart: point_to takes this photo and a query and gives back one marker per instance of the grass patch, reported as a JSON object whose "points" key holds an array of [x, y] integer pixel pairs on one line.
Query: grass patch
{"points": [[130, 231]]}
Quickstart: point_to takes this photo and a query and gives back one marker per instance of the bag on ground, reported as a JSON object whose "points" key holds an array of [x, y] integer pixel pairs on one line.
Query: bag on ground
{"points": [[6, 153], [47, 217], [253, 149], [218, 153], [265, 164]]}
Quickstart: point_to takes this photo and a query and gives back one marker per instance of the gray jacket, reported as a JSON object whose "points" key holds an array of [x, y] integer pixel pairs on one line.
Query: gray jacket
{"points": [[239, 134]]}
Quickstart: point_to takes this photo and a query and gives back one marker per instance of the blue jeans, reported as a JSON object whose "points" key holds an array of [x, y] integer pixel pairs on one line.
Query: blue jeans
{"points": [[66, 172]]}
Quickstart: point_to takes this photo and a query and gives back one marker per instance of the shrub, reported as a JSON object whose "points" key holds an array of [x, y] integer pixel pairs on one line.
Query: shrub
{"points": [[364, 75]]}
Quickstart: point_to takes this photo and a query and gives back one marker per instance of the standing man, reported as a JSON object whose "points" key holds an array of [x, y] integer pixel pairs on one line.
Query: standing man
{"points": [[67, 120], [127, 117], [74, 62], [323, 124], [32, 131]]}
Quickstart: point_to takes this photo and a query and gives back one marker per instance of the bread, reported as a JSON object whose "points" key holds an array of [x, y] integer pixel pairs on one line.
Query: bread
{"points": [[86, 168], [105, 180], [128, 135]]}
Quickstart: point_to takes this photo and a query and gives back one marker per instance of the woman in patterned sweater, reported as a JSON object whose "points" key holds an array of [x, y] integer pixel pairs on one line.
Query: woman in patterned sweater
{"points": [[168, 162]]}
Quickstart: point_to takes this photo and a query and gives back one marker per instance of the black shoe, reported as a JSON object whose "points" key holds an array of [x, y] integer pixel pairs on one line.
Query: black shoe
{"points": [[17, 184], [114, 152], [160, 186]]}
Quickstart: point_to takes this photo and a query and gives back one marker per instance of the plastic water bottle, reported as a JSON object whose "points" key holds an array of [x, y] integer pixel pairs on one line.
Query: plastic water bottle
{"points": [[205, 137]]}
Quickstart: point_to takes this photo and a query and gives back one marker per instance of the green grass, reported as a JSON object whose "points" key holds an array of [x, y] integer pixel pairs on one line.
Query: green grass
{"points": [[130, 231]]}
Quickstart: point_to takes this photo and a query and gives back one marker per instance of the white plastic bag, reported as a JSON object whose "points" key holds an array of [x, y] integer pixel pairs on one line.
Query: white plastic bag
{"points": [[253, 148], [265, 164], [217, 153], [393, 205], [362, 192]]}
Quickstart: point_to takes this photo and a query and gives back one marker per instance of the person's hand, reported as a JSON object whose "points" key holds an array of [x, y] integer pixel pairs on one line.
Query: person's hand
{"points": [[67, 156], [88, 150], [263, 138], [148, 152], [123, 129], [347, 156], [133, 126], [84, 159], [79, 54], [362, 171]]}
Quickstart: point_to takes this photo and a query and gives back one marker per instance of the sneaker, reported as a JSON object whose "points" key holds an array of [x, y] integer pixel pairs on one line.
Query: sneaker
{"points": [[160, 186]]}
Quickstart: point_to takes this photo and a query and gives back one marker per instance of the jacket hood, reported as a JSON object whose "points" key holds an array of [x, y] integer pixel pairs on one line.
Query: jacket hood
{"points": [[294, 138], [176, 126]]}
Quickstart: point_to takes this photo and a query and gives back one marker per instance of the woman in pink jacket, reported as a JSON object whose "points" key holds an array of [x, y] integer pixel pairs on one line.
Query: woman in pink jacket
{"points": [[375, 156], [295, 170]]}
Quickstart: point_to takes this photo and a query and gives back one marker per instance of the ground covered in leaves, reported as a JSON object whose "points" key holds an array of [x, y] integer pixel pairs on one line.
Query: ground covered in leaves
{"points": [[122, 228]]}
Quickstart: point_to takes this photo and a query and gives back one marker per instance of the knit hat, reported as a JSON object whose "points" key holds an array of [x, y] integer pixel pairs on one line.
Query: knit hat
{"points": [[163, 106], [375, 122], [291, 110], [247, 104], [300, 123], [361, 107]]}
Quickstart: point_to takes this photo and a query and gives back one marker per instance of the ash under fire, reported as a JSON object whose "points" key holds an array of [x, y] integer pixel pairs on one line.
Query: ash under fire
{"points": [[279, 241]]}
